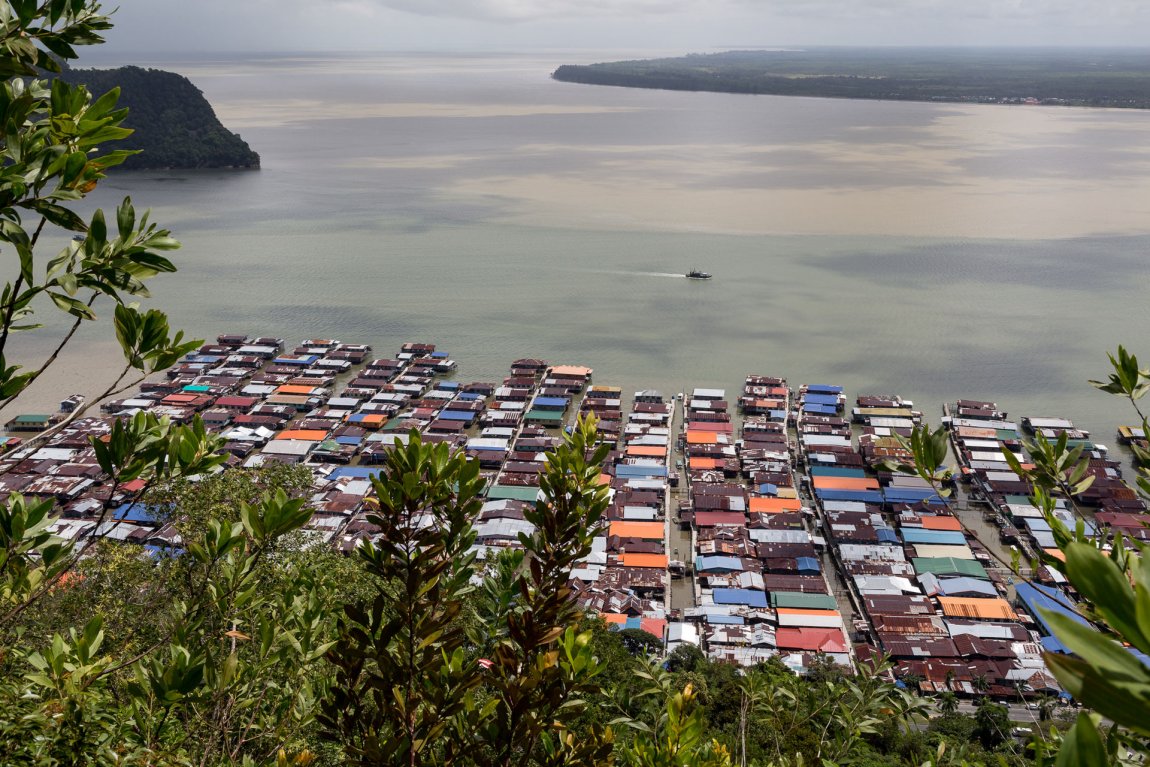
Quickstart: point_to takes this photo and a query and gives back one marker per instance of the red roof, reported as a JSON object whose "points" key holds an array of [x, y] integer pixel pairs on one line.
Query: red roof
{"points": [[712, 518], [812, 639], [656, 627]]}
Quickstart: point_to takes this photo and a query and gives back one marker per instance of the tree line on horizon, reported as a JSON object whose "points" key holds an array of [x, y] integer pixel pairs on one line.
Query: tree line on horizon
{"points": [[1069, 78]]}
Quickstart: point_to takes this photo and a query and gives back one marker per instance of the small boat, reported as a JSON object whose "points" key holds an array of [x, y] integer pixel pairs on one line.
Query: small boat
{"points": [[696, 274]]}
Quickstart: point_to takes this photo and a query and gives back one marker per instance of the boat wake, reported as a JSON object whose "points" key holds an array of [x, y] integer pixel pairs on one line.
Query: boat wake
{"points": [[677, 275]]}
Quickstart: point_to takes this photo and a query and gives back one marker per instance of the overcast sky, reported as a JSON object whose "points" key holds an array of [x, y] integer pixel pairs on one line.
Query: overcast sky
{"points": [[178, 26]]}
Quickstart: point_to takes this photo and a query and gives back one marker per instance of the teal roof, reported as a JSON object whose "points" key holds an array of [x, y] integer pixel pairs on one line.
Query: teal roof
{"points": [[512, 492], [949, 566]]}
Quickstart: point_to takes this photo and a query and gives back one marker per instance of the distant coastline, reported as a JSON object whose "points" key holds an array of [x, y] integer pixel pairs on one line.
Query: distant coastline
{"points": [[1117, 78]]}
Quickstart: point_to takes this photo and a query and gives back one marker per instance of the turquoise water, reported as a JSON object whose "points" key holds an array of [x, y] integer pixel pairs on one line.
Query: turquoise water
{"points": [[935, 251]]}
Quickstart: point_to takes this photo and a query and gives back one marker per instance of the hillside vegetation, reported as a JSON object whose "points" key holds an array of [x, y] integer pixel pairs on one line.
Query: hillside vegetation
{"points": [[174, 124]]}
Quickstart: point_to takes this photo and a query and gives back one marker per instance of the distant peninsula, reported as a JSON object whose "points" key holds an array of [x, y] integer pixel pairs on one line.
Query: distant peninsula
{"points": [[174, 124], [1065, 77]]}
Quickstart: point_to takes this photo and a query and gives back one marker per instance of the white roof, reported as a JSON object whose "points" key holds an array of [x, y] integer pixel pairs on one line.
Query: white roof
{"points": [[296, 447], [1050, 423], [682, 632], [484, 443], [53, 454], [709, 394], [826, 440], [939, 550]]}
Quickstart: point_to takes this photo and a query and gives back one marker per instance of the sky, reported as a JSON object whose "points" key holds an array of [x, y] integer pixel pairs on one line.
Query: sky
{"points": [[235, 26]]}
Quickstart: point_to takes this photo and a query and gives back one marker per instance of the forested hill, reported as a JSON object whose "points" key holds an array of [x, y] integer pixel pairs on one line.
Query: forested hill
{"points": [[174, 124], [1071, 77]]}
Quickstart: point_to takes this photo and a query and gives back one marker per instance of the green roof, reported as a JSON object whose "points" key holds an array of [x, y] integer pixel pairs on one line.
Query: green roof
{"points": [[949, 566], [31, 418], [197, 388], [512, 492], [803, 601], [545, 415]]}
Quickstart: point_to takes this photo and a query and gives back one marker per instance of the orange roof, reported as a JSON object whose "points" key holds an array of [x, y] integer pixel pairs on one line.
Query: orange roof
{"points": [[846, 483], [941, 523], [570, 370], [1056, 553], [977, 432], [647, 451], [993, 608], [699, 462], [295, 389], [649, 530], [695, 437], [373, 418], [774, 505], [807, 611], [307, 435], [604, 479], [643, 560], [617, 618]]}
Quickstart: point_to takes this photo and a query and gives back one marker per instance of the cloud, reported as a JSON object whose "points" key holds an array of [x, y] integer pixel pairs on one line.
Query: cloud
{"points": [[537, 10], [534, 10]]}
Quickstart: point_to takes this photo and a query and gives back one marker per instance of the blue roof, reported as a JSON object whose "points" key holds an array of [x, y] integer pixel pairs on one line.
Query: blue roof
{"points": [[862, 496], [777, 414], [768, 489], [965, 585], [807, 564], [208, 359], [942, 537], [469, 396], [748, 597], [811, 407], [837, 471], [633, 470], [821, 399], [824, 388], [447, 385], [1039, 598], [135, 512], [302, 361], [886, 535], [349, 440], [717, 562], [457, 415], [551, 402], [158, 552], [1054, 644], [439, 355], [909, 494], [731, 620], [354, 472]]}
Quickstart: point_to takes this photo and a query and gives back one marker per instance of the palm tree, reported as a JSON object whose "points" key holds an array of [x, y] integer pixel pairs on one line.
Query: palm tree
{"points": [[947, 703]]}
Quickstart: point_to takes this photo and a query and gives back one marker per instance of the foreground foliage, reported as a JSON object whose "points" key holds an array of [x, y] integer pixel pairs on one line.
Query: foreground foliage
{"points": [[251, 645]]}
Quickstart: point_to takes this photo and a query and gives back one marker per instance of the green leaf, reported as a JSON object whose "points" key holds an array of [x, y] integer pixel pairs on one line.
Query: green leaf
{"points": [[72, 306], [1100, 581]]}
